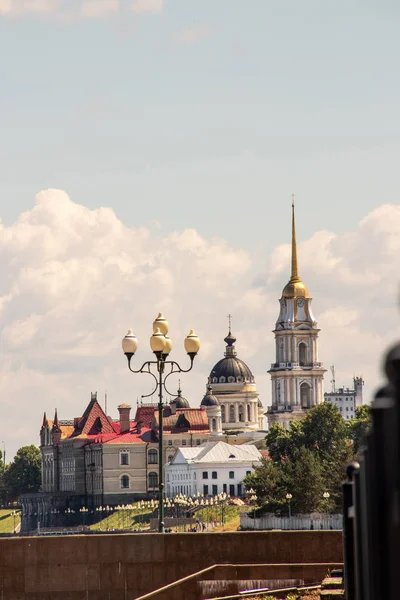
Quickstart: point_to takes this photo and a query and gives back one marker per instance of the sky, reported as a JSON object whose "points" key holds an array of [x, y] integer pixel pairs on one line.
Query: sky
{"points": [[148, 153]]}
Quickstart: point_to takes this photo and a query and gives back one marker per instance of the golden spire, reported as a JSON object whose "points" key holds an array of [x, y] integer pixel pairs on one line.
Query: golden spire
{"points": [[295, 288], [295, 273]]}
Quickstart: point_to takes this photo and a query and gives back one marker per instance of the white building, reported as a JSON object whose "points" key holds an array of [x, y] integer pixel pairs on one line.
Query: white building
{"points": [[210, 469], [297, 375], [347, 400]]}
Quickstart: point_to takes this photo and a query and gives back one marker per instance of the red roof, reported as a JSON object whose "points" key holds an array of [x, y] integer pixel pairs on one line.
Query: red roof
{"points": [[145, 414], [185, 419]]}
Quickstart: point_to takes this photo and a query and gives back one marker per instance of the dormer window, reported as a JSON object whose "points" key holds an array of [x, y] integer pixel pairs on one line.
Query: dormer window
{"points": [[222, 379], [231, 379]]}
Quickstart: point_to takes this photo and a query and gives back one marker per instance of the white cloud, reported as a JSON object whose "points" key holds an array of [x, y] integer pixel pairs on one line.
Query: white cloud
{"points": [[193, 34], [21, 7], [74, 280], [87, 9], [148, 6], [95, 9]]}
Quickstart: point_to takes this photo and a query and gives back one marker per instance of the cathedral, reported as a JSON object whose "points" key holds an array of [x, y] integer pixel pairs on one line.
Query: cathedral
{"points": [[297, 376], [231, 402]]}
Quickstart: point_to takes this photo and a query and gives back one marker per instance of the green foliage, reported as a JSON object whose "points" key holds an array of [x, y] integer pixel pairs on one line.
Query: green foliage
{"points": [[23, 475], [307, 460], [358, 427]]}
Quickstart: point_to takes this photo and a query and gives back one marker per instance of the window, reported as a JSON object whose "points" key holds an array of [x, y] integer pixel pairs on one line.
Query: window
{"points": [[214, 475], [215, 490], [302, 354], [153, 457], [153, 480], [248, 472], [194, 475], [222, 379], [205, 490], [231, 490], [224, 487], [305, 395], [231, 379], [169, 442], [223, 413], [124, 458], [183, 442], [214, 425], [205, 474], [231, 413], [124, 482], [241, 413], [248, 413], [231, 474], [198, 442]]}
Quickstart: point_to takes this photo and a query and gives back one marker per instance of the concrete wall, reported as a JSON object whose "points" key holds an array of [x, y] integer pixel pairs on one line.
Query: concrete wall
{"points": [[122, 567]]}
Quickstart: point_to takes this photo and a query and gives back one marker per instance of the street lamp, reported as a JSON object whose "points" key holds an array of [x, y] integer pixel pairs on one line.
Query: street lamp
{"points": [[289, 498], [161, 345], [326, 496]]}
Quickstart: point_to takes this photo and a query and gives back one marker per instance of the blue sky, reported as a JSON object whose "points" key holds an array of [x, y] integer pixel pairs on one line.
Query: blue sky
{"points": [[201, 116], [205, 114]]}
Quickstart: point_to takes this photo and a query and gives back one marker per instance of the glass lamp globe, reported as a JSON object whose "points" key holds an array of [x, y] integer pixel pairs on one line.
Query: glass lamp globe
{"points": [[168, 345], [161, 323], [192, 343], [130, 343], [157, 341]]}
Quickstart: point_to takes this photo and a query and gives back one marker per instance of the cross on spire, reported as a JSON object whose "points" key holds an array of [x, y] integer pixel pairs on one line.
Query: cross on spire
{"points": [[230, 322], [293, 196]]}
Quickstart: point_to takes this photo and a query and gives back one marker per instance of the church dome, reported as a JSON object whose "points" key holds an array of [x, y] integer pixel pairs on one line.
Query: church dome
{"points": [[295, 289], [180, 401], [209, 399], [231, 369]]}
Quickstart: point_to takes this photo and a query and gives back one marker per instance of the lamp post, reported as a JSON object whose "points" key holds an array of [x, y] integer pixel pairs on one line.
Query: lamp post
{"points": [[161, 345], [289, 498], [326, 496]]}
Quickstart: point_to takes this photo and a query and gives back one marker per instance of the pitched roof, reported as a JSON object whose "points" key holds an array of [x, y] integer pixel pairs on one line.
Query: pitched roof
{"points": [[185, 419], [145, 415], [219, 452], [93, 420]]}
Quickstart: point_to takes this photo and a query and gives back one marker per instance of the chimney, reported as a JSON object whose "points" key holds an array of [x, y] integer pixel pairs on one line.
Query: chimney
{"points": [[124, 418], [139, 427]]}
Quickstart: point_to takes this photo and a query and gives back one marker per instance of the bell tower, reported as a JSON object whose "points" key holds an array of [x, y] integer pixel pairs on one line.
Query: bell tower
{"points": [[297, 376]]}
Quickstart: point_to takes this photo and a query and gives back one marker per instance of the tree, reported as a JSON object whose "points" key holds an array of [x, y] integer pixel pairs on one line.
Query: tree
{"points": [[305, 481], [308, 459], [23, 475], [268, 484], [359, 426]]}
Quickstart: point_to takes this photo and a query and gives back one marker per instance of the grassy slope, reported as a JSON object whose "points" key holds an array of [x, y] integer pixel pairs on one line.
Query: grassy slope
{"points": [[7, 521], [125, 519]]}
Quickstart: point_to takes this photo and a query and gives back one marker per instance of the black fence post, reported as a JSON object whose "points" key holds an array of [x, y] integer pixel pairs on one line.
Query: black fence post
{"points": [[371, 500]]}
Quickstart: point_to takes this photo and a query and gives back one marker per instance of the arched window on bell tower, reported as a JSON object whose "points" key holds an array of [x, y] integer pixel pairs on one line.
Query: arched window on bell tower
{"points": [[305, 395], [302, 354]]}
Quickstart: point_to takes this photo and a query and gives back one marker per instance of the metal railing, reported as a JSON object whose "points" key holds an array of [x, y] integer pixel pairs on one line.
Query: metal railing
{"points": [[371, 499]]}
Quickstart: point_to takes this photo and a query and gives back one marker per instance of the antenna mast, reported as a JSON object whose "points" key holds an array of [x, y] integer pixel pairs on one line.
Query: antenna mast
{"points": [[333, 380], [105, 403]]}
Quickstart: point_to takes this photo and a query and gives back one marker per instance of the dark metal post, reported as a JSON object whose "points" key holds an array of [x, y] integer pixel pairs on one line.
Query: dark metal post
{"points": [[160, 448]]}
